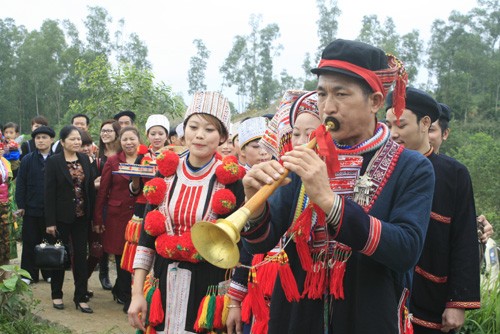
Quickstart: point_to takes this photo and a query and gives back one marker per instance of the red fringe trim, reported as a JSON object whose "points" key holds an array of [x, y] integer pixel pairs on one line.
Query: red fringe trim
{"points": [[288, 282]]}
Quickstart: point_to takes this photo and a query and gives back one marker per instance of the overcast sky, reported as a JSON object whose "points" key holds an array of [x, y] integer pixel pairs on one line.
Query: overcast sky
{"points": [[169, 27]]}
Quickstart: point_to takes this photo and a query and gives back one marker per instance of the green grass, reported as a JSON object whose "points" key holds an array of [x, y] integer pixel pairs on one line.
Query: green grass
{"points": [[485, 320]]}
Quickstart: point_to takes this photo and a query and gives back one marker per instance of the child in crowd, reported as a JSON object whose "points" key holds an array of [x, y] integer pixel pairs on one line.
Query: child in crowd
{"points": [[11, 147]]}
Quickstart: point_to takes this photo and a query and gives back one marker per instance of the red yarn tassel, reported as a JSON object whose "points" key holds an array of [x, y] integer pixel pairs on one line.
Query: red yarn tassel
{"points": [[267, 275], [259, 306], [219, 307], [399, 96], [327, 149], [337, 279], [156, 313], [288, 282], [125, 254], [257, 258], [302, 229], [260, 327], [197, 328], [246, 308]]}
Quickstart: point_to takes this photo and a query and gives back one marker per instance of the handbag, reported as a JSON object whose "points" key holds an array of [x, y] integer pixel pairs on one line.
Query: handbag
{"points": [[51, 257]]}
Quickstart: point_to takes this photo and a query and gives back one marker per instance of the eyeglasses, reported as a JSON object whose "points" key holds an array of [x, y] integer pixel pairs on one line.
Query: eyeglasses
{"points": [[107, 131]]}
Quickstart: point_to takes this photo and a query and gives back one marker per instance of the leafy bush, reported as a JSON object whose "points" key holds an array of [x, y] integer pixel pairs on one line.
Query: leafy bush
{"points": [[485, 320], [17, 306]]}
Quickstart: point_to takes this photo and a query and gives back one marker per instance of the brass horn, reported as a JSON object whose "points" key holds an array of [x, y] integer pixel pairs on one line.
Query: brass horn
{"points": [[217, 243]]}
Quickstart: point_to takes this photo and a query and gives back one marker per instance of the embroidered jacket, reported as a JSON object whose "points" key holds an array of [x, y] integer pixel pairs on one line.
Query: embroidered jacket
{"points": [[386, 237], [188, 199], [447, 274]]}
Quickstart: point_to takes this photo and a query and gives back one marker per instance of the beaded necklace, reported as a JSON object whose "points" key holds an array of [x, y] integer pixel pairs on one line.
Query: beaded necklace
{"points": [[380, 137]]}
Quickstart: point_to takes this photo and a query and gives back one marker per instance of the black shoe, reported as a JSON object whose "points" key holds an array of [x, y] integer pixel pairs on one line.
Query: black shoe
{"points": [[89, 294], [106, 284], [83, 309], [118, 300], [125, 307], [58, 306]]}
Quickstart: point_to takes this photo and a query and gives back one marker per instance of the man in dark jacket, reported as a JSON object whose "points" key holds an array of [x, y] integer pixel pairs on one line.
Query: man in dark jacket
{"points": [[30, 198], [446, 280], [358, 221]]}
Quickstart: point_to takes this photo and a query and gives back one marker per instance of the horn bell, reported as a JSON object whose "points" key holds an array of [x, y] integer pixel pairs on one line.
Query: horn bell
{"points": [[218, 243]]}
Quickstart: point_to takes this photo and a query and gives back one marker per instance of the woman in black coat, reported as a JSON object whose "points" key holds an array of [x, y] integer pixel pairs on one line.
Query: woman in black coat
{"points": [[69, 203]]}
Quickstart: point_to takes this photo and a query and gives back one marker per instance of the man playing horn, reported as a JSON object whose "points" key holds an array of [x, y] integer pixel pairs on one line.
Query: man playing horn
{"points": [[357, 211]]}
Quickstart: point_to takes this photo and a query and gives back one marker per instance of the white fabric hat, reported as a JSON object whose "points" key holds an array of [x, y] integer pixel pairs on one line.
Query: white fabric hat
{"points": [[211, 103], [251, 129], [179, 129], [157, 120]]}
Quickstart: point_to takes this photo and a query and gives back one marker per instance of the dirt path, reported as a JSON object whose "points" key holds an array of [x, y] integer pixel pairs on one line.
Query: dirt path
{"points": [[108, 316]]}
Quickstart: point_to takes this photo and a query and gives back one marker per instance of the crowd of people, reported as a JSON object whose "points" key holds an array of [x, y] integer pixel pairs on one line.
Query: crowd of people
{"points": [[373, 230]]}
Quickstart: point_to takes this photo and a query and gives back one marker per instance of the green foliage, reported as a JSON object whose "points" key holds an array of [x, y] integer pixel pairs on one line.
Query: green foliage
{"points": [[198, 63], [249, 65], [15, 295], [328, 11], [17, 306], [478, 148], [464, 57], [108, 90], [408, 48], [485, 320]]}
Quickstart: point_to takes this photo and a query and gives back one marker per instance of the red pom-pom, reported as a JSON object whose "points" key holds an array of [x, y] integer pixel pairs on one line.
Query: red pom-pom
{"points": [[167, 162], [243, 171], [229, 172], [146, 160], [223, 201], [177, 247], [142, 149], [218, 156], [154, 223], [230, 158], [155, 190]]}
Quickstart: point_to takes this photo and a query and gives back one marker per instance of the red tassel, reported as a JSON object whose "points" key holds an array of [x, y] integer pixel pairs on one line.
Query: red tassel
{"points": [[133, 249], [124, 254], [197, 328], [288, 282], [259, 327], [257, 258], [314, 285], [267, 275], [302, 229], [327, 149], [246, 308], [399, 96], [219, 307], [259, 306], [337, 279], [156, 313]]}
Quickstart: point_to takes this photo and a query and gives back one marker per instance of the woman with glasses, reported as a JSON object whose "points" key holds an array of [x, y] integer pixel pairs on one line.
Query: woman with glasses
{"points": [[108, 146]]}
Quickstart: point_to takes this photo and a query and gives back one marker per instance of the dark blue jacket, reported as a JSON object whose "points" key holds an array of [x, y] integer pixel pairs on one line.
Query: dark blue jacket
{"points": [[30, 184], [374, 284]]}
